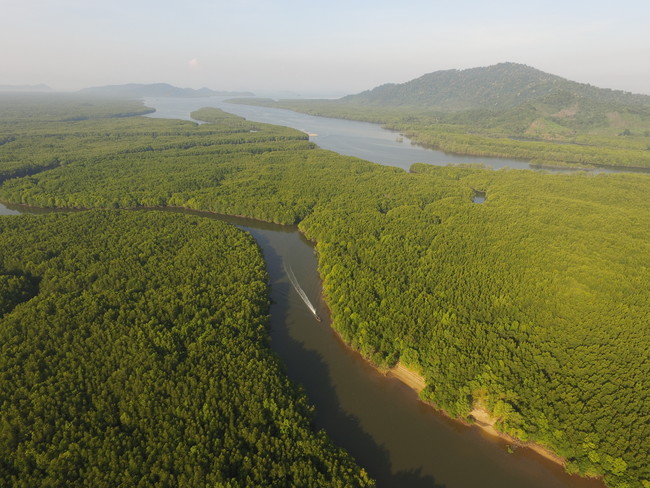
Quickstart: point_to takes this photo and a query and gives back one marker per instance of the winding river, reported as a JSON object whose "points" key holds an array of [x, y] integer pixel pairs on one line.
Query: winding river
{"points": [[399, 440], [351, 138]]}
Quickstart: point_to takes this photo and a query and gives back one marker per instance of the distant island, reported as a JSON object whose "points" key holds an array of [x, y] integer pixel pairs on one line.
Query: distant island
{"points": [[25, 88], [138, 90]]}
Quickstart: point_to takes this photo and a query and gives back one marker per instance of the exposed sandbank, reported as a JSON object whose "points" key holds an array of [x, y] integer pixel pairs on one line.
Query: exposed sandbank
{"points": [[408, 377], [482, 418], [485, 422]]}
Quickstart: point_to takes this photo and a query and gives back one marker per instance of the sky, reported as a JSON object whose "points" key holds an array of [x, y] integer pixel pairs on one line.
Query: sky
{"points": [[316, 48]]}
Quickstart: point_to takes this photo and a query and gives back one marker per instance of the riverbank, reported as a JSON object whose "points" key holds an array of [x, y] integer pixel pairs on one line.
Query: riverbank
{"points": [[407, 376], [481, 417], [420, 436], [484, 421]]}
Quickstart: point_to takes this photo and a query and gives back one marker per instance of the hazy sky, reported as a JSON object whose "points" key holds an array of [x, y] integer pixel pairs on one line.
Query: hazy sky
{"points": [[316, 47]]}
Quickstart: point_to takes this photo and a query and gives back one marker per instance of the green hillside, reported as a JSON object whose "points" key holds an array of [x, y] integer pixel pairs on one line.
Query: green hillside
{"points": [[498, 87]]}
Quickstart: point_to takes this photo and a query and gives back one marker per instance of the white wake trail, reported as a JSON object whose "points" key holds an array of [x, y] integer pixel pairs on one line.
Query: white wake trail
{"points": [[301, 292]]}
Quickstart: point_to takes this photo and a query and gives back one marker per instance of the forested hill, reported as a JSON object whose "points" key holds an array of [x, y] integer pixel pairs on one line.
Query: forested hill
{"points": [[502, 86], [136, 90]]}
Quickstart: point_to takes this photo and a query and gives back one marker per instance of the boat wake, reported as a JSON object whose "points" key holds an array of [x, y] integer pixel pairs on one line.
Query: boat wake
{"points": [[301, 292]]}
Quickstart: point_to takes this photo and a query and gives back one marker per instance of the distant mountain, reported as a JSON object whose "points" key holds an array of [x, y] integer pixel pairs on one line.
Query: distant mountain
{"points": [[25, 88], [136, 90], [498, 87]]}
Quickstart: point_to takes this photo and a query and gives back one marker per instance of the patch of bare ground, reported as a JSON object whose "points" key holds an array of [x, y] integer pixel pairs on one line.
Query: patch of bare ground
{"points": [[567, 112], [408, 377], [615, 119], [486, 423], [482, 418]]}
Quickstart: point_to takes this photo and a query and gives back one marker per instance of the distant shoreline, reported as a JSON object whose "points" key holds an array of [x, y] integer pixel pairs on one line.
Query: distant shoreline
{"points": [[416, 382]]}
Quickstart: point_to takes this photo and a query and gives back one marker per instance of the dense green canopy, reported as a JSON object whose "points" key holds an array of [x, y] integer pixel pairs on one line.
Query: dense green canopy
{"points": [[533, 305], [134, 352]]}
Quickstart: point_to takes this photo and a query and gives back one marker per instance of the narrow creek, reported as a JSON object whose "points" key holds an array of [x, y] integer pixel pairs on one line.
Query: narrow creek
{"points": [[399, 440]]}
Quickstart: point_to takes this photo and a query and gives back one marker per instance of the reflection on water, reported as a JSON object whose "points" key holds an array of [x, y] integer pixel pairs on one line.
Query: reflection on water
{"points": [[479, 196]]}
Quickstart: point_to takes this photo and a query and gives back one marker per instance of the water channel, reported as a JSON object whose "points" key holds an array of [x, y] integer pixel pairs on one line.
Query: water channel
{"points": [[351, 138], [399, 440]]}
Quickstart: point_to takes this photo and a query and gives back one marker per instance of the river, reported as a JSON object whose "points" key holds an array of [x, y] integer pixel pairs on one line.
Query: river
{"points": [[351, 138], [399, 440]]}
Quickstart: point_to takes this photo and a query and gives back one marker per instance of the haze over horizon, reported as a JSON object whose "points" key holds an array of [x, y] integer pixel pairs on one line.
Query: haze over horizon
{"points": [[315, 49]]}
